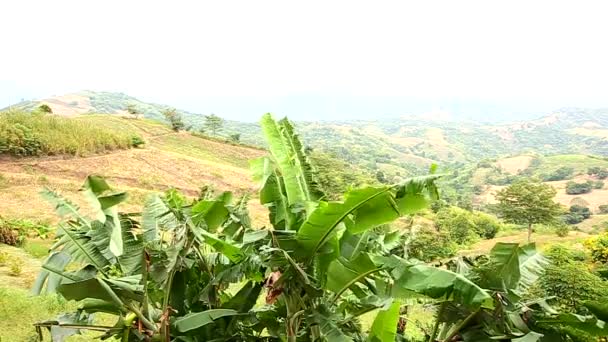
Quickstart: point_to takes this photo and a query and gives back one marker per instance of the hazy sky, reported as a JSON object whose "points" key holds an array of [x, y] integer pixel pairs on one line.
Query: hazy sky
{"points": [[326, 59]]}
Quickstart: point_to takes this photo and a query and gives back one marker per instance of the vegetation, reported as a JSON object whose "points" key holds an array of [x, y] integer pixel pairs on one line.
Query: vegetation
{"points": [[599, 172], [603, 209], [44, 108], [214, 123], [528, 202], [577, 214], [564, 172], [574, 188], [174, 118], [23, 134]]}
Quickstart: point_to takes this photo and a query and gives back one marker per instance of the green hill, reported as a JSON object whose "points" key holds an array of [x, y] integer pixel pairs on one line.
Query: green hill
{"points": [[396, 147]]}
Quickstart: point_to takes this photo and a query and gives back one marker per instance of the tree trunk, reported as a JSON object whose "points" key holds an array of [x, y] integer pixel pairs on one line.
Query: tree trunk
{"points": [[529, 231]]}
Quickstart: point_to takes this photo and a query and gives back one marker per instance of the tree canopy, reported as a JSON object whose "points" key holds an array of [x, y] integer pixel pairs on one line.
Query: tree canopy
{"points": [[528, 202]]}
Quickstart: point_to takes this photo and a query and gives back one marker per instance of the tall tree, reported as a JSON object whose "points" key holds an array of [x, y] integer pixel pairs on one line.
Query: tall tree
{"points": [[213, 123], [174, 118], [528, 202]]}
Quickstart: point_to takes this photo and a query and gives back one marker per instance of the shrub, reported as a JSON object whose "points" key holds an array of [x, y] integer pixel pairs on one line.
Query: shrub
{"points": [[603, 209], [601, 173], [598, 247], [487, 226], [570, 280], [9, 237], [15, 267], [137, 141], [428, 245], [562, 230], [597, 184], [458, 223], [562, 173], [573, 188], [3, 258], [577, 214], [44, 108], [18, 140]]}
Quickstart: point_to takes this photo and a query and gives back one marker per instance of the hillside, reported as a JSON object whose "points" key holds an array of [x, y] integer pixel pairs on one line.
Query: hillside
{"points": [[488, 177], [397, 147], [167, 159]]}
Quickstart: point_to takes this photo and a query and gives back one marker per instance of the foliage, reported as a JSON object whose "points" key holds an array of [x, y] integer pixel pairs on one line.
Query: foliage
{"points": [[23, 134], [336, 176], [4, 257], [577, 214], [603, 209], [459, 223], [598, 247], [44, 108], [427, 245], [564, 172], [464, 226], [562, 230], [214, 123], [527, 202], [569, 281], [601, 173], [10, 237], [236, 137], [175, 119], [574, 188]]}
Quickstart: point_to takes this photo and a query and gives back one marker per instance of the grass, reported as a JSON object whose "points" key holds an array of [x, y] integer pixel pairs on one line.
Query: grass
{"points": [[36, 134], [18, 310], [37, 248]]}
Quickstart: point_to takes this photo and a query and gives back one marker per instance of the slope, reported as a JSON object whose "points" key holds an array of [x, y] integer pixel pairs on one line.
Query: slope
{"points": [[180, 160]]}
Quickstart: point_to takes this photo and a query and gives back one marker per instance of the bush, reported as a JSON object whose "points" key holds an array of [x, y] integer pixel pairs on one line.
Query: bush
{"points": [[597, 184], [458, 223], [562, 230], [10, 237], [137, 141], [487, 226], [601, 173], [571, 282], [19, 140], [603, 209], [562, 173], [598, 247], [573, 188], [428, 245], [577, 214], [3, 258]]}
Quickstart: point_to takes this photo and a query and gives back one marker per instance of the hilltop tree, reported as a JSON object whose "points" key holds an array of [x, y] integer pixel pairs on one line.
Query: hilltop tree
{"points": [[213, 123], [46, 109], [174, 118], [528, 202]]}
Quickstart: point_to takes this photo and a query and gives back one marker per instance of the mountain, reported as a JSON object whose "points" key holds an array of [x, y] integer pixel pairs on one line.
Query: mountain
{"points": [[397, 147]]}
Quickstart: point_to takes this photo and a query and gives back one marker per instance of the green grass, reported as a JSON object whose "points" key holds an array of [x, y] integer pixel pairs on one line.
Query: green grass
{"points": [[37, 248], [36, 134], [19, 310]]}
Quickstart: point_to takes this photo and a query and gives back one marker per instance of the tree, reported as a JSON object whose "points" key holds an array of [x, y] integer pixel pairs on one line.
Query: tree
{"points": [[235, 138], [46, 109], [174, 118], [133, 110], [213, 123], [528, 202]]}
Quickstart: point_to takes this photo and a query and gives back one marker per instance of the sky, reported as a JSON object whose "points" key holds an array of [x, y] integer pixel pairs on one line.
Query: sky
{"points": [[479, 60]]}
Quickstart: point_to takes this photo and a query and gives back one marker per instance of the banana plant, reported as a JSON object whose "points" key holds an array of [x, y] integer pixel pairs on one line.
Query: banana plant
{"points": [[506, 275], [164, 278], [324, 276]]}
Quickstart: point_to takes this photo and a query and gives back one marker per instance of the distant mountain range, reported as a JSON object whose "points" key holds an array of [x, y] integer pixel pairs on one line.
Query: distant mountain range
{"points": [[399, 146]]}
